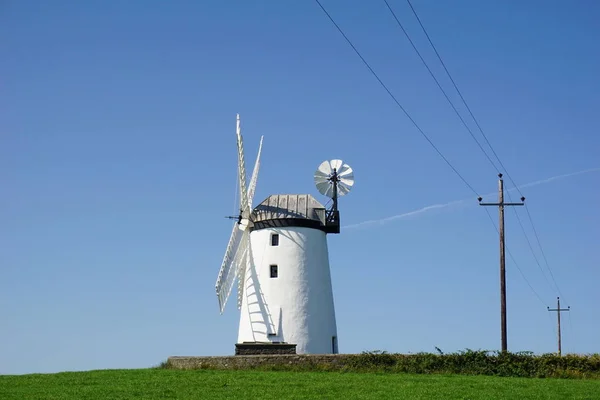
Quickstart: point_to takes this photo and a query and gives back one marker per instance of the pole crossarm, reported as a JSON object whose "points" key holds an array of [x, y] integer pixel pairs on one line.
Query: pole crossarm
{"points": [[501, 204]]}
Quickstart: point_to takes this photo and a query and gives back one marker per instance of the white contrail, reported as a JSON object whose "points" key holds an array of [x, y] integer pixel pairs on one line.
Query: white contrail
{"points": [[585, 171], [401, 216], [382, 221]]}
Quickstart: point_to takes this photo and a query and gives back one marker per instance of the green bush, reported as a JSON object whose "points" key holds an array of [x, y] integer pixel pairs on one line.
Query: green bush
{"points": [[478, 362], [466, 362]]}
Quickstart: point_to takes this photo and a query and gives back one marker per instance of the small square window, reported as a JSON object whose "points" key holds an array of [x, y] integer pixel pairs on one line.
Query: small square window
{"points": [[275, 239], [273, 271]]}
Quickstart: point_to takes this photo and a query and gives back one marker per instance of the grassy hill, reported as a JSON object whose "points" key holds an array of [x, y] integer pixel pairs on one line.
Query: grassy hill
{"points": [[251, 384]]}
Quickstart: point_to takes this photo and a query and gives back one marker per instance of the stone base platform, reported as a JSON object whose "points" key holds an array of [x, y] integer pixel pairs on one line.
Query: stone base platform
{"points": [[333, 361]]}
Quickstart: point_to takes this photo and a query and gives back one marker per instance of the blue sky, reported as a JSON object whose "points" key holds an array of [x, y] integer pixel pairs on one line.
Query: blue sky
{"points": [[118, 163]]}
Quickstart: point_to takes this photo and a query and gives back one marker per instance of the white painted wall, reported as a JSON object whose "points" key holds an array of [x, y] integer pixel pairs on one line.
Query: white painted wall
{"points": [[297, 306]]}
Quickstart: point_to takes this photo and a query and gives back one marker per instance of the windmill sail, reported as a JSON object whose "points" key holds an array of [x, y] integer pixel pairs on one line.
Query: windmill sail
{"points": [[227, 271], [254, 178], [241, 167], [236, 259]]}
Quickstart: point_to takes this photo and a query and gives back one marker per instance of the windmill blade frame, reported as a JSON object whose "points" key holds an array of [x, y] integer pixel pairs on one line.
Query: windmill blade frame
{"points": [[233, 269], [224, 273], [254, 179], [243, 268], [241, 166], [237, 259]]}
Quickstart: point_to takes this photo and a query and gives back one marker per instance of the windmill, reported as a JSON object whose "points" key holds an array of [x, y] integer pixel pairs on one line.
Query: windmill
{"points": [[278, 254]]}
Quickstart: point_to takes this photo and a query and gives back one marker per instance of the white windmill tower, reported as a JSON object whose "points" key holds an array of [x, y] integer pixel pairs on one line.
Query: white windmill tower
{"points": [[278, 254]]}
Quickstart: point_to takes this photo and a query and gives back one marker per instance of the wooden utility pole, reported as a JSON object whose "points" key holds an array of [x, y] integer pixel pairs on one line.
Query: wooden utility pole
{"points": [[558, 311], [501, 204]]}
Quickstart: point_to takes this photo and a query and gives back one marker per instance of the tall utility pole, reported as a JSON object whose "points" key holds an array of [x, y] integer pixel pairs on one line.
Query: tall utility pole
{"points": [[501, 204], [558, 311]]}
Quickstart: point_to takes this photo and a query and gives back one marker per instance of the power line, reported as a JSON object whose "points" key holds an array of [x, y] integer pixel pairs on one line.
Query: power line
{"points": [[395, 99], [439, 85], [456, 111], [514, 261], [555, 287], [531, 248], [542, 251], [491, 148], [461, 95], [406, 34]]}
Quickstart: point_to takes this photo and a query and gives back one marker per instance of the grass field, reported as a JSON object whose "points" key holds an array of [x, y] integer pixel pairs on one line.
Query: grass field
{"points": [[213, 384]]}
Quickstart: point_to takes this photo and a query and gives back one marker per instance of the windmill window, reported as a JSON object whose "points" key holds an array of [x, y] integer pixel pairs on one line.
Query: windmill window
{"points": [[274, 271], [275, 239]]}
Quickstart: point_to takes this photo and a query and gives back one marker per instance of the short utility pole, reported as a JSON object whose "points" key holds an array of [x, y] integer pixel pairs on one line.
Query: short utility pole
{"points": [[501, 204], [558, 310]]}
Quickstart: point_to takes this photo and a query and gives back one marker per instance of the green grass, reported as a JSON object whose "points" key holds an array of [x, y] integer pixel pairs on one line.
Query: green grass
{"points": [[281, 385]]}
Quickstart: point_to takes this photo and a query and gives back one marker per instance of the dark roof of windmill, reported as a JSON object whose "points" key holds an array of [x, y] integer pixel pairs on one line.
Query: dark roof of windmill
{"points": [[289, 206]]}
